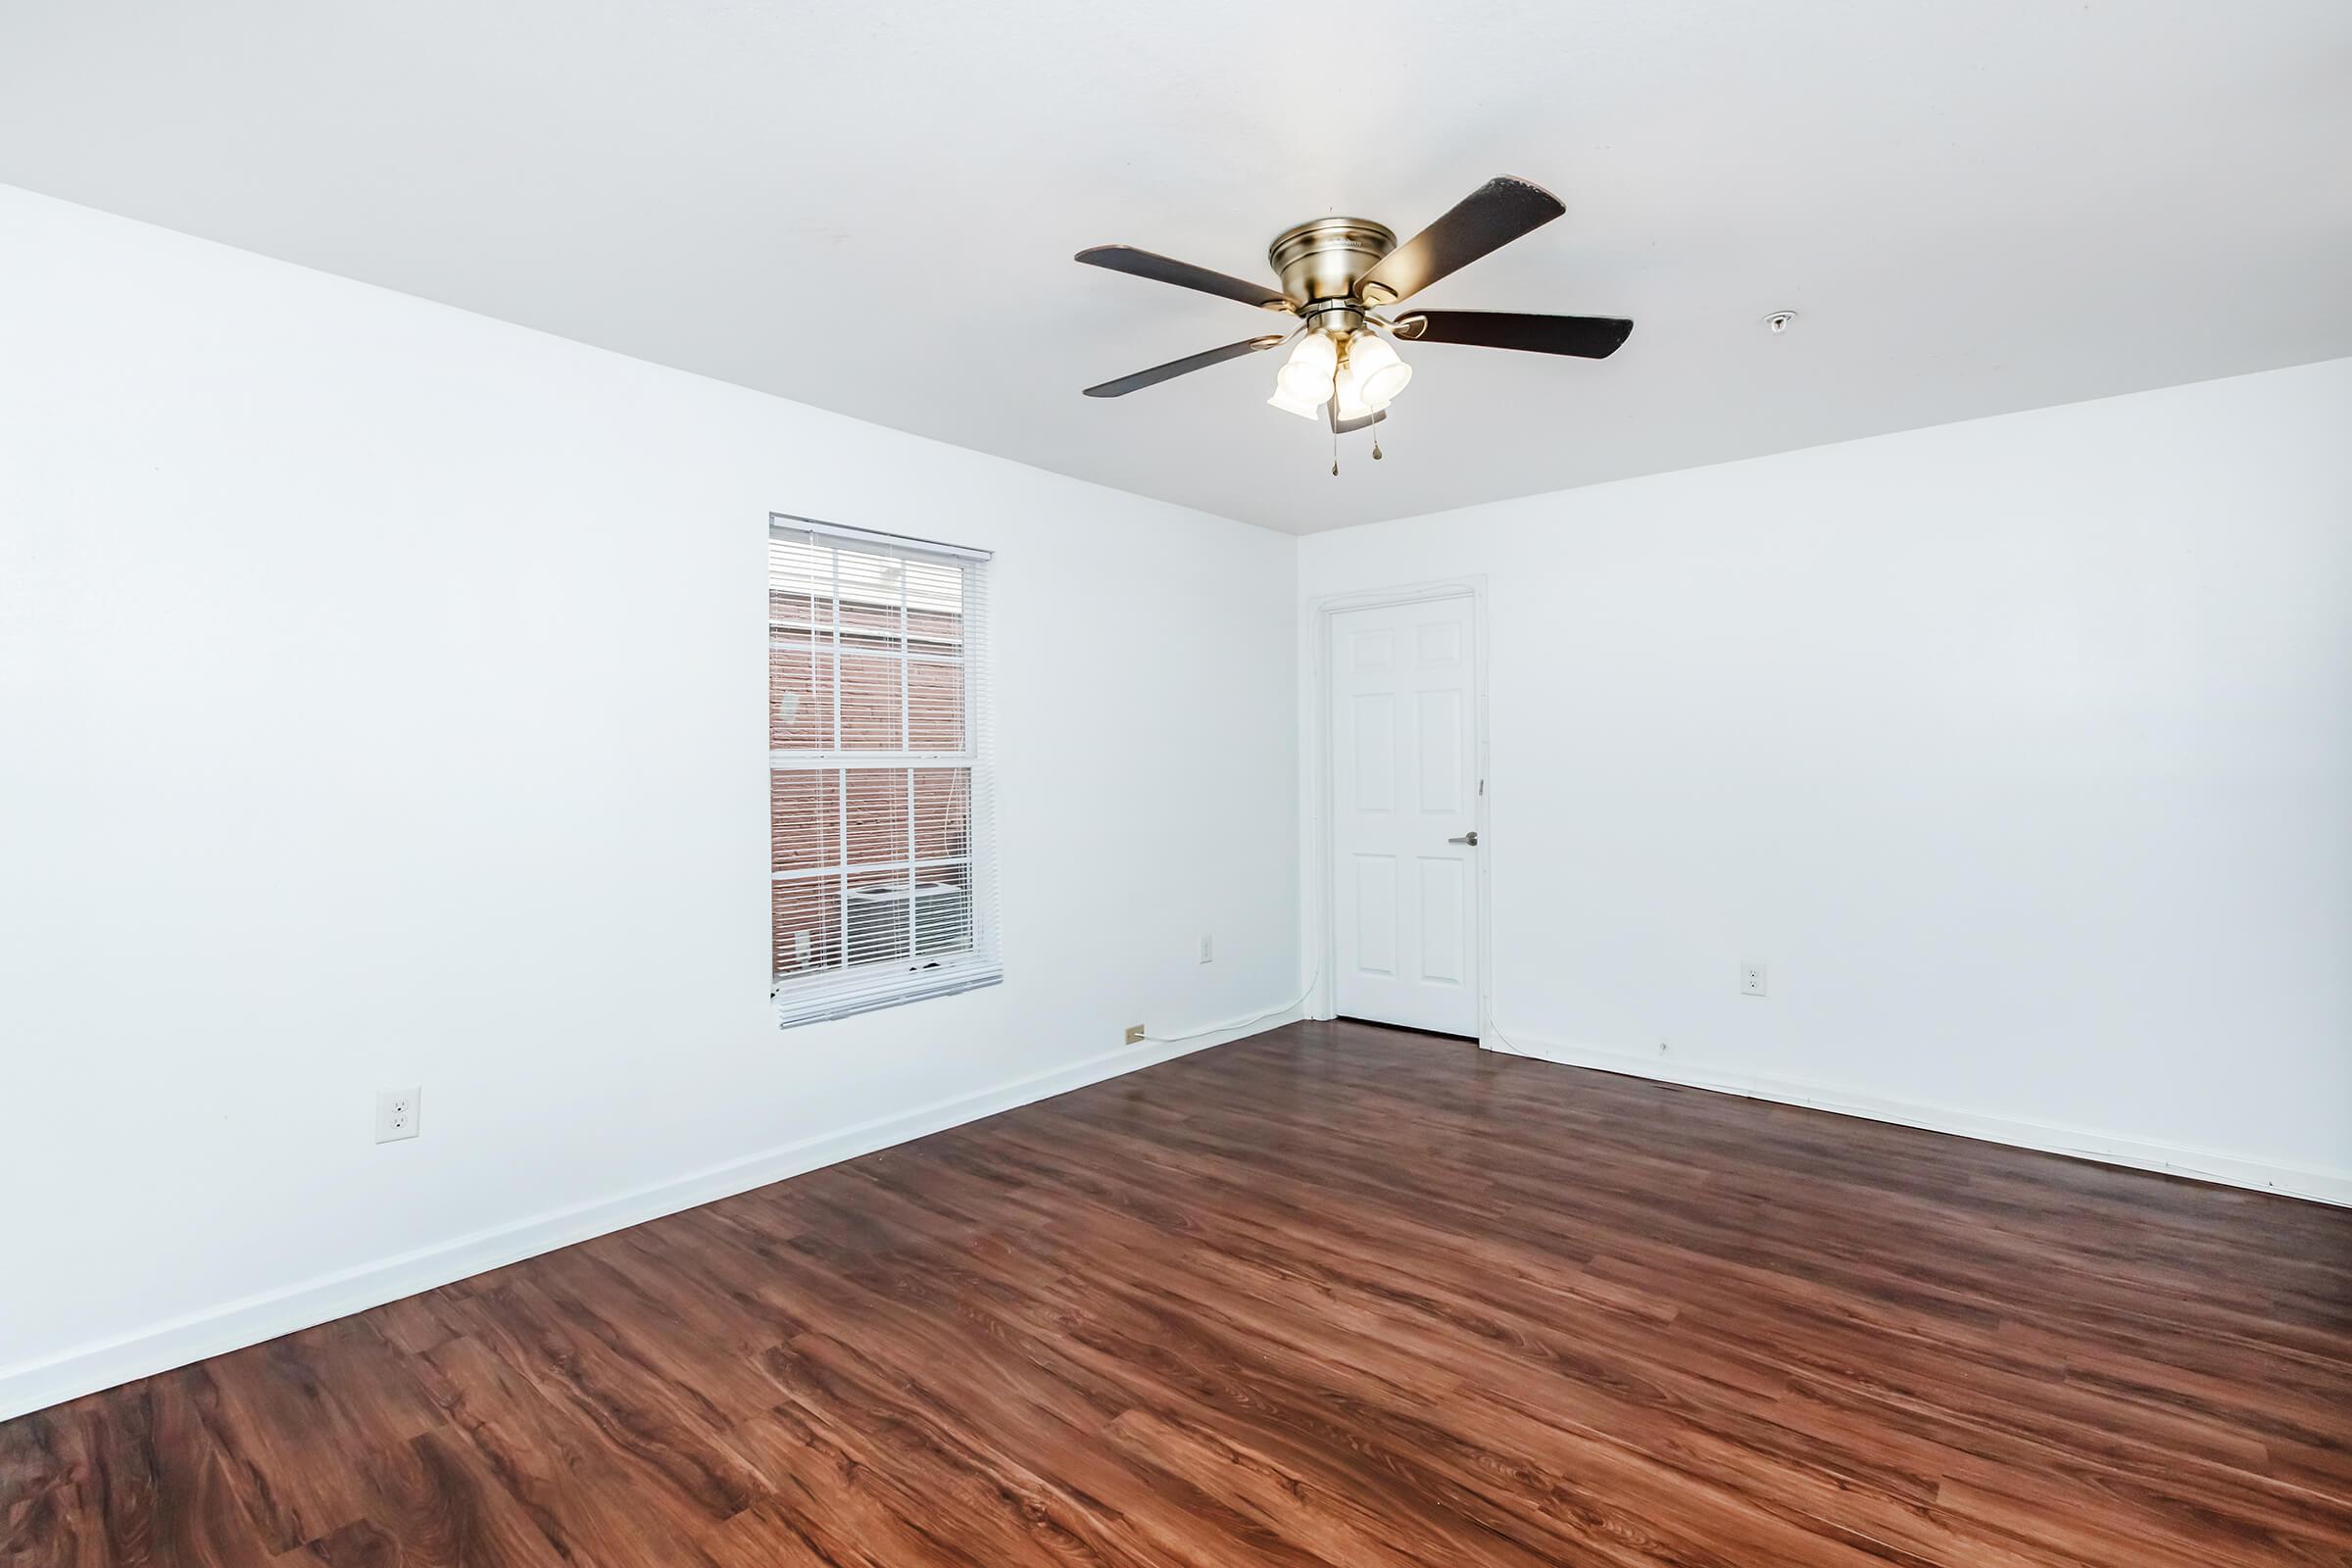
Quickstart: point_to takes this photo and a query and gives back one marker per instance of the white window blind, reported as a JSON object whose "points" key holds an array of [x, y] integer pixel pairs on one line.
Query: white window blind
{"points": [[881, 792]]}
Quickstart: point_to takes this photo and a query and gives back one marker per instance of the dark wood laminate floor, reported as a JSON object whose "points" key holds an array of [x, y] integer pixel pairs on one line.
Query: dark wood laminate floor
{"points": [[1327, 1296]]}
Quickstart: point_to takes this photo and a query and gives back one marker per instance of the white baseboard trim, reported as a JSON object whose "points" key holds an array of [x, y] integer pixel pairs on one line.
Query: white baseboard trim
{"points": [[85, 1369], [2314, 1183]]}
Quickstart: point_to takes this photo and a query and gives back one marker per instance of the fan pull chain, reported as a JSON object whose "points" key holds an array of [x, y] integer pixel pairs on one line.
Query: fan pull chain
{"points": [[1376, 446], [1335, 452]]}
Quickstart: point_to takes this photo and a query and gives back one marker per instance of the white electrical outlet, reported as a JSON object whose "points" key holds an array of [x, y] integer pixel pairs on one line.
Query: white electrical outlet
{"points": [[1751, 977], [397, 1111], [1208, 948]]}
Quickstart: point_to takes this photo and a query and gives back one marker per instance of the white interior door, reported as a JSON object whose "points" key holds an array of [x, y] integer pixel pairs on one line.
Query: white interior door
{"points": [[1405, 787]]}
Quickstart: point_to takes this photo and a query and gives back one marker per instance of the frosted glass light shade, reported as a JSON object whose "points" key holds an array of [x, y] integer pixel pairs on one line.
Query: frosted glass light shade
{"points": [[1350, 396], [1380, 374], [1306, 377], [1288, 404]]}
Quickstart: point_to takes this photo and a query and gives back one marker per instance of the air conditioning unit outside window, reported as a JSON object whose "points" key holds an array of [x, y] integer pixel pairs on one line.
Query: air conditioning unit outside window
{"points": [[878, 920]]}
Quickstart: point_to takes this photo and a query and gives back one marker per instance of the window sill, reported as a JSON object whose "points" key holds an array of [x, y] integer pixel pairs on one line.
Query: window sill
{"points": [[813, 999]]}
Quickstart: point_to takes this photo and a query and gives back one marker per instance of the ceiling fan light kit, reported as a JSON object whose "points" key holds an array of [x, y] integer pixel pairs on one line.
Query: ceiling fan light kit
{"points": [[1338, 275]]}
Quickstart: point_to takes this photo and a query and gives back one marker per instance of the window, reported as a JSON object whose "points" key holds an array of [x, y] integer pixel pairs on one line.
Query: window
{"points": [[880, 791]]}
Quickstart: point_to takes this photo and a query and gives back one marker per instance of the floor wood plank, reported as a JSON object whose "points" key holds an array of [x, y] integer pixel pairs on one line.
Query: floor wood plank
{"points": [[1334, 1295]]}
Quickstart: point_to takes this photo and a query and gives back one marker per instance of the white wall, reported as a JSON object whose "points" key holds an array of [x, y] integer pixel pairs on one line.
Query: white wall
{"points": [[380, 704], [2020, 750]]}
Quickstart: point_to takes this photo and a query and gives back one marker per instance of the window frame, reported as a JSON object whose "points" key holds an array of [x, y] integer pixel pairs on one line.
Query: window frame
{"points": [[860, 987]]}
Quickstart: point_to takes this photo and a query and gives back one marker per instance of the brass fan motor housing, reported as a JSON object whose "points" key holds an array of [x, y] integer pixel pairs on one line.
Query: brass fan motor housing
{"points": [[1320, 261]]}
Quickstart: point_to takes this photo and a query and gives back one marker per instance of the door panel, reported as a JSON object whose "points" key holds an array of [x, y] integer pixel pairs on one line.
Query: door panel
{"points": [[1376, 915], [1405, 784], [1444, 910], [1375, 744], [1442, 742]]}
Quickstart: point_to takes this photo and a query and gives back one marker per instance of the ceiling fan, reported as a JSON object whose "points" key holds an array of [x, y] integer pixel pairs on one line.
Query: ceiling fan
{"points": [[1339, 274]]}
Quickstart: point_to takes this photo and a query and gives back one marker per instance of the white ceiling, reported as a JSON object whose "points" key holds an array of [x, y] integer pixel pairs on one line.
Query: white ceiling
{"points": [[1977, 205]]}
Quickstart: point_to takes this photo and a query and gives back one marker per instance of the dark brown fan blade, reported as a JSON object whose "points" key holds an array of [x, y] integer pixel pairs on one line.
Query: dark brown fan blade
{"points": [[1184, 274], [1183, 367], [1588, 337], [1486, 219]]}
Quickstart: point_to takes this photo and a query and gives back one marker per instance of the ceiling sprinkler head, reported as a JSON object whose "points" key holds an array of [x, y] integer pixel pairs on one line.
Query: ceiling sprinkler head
{"points": [[1779, 322]]}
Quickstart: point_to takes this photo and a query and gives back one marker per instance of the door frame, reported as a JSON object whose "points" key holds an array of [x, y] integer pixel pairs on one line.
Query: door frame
{"points": [[1321, 870]]}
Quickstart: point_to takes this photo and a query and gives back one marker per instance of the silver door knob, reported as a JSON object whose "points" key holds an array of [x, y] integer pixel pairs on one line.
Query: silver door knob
{"points": [[1470, 837]]}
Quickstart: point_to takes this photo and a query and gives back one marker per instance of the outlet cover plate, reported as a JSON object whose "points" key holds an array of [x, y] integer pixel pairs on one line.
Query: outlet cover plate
{"points": [[397, 1114], [1751, 977], [1134, 1034]]}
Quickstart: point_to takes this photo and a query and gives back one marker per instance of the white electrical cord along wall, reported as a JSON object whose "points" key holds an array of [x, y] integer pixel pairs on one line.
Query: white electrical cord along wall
{"points": [[1242, 1023]]}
